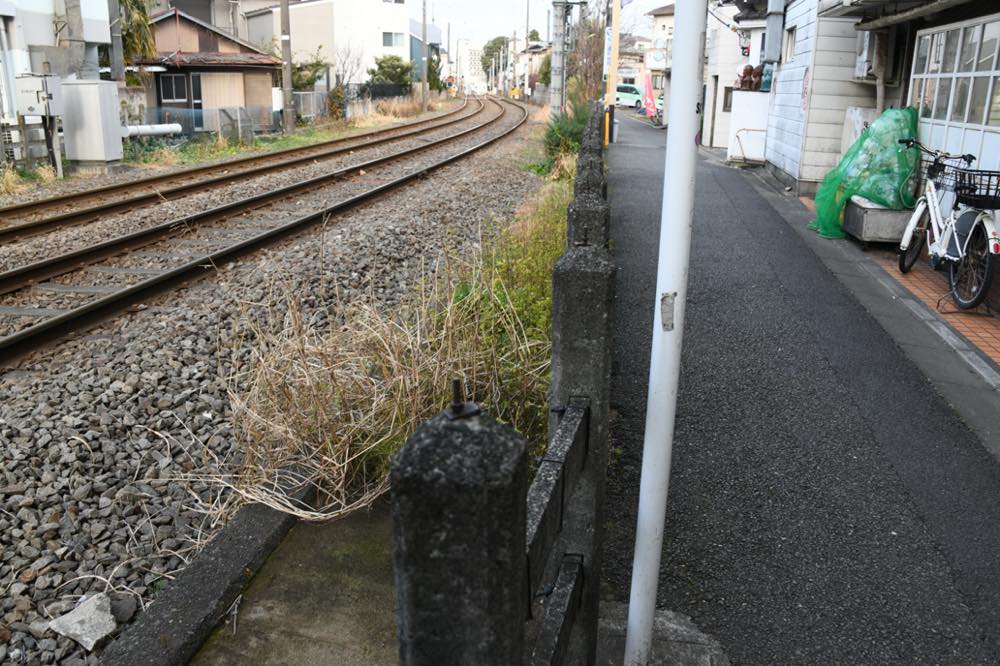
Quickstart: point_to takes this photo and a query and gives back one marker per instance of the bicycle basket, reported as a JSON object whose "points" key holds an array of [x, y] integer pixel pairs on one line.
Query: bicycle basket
{"points": [[977, 189]]}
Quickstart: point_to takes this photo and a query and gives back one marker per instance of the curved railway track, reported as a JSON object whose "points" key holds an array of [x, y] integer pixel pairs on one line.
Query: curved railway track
{"points": [[113, 299], [44, 215]]}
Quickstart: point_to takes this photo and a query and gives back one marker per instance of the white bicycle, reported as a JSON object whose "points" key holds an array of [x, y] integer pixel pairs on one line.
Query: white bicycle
{"points": [[966, 238]]}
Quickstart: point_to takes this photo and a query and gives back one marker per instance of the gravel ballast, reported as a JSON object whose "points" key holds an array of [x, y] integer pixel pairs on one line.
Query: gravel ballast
{"points": [[98, 431]]}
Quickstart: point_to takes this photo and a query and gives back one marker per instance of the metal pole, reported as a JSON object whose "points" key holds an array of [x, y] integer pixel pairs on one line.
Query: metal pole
{"points": [[612, 73], [668, 324], [426, 51], [288, 109], [556, 90], [117, 55]]}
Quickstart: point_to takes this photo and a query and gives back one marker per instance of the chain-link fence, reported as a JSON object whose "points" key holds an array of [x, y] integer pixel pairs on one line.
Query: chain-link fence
{"points": [[311, 106], [234, 122]]}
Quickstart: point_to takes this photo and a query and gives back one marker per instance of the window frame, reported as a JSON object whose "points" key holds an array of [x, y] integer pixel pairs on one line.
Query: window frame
{"points": [[727, 99], [173, 88], [922, 82], [791, 37]]}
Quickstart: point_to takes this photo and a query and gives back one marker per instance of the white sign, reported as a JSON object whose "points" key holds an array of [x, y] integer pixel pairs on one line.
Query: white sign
{"points": [[656, 59], [607, 50]]}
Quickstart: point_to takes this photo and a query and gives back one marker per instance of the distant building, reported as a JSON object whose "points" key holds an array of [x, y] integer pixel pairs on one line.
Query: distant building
{"points": [[227, 15], [632, 59], [658, 58], [201, 69], [469, 68], [361, 30], [729, 47], [417, 45]]}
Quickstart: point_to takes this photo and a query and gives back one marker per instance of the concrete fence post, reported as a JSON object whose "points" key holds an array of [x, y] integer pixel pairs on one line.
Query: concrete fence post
{"points": [[458, 506], [583, 289]]}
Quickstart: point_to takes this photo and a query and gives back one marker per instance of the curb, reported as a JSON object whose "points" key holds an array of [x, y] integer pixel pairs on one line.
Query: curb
{"points": [[172, 629]]}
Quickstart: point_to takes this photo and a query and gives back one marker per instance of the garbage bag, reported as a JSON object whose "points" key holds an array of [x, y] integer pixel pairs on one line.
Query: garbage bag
{"points": [[876, 167]]}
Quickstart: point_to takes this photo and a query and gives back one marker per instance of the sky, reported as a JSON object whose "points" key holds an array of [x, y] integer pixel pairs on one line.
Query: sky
{"points": [[482, 20]]}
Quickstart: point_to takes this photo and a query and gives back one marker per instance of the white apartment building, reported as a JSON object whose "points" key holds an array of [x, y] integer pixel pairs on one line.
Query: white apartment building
{"points": [[469, 68], [365, 29], [659, 55]]}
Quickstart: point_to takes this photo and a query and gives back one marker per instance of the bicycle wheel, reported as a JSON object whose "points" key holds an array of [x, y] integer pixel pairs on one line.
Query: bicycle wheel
{"points": [[917, 239], [969, 279]]}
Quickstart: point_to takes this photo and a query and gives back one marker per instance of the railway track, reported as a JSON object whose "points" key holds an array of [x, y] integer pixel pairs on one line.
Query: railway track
{"points": [[44, 215], [177, 256]]}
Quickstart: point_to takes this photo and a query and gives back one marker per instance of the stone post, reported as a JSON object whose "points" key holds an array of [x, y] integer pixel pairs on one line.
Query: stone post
{"points": [[459, 488], [583, 289]]}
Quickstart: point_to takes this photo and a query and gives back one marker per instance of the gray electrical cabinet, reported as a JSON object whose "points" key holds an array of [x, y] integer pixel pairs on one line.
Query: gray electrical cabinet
{"points": [[39, 95], [92, 129]]}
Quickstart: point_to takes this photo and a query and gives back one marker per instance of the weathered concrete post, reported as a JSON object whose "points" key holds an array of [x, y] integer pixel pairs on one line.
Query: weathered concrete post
{"points": [[583, 288], [458, 510]]}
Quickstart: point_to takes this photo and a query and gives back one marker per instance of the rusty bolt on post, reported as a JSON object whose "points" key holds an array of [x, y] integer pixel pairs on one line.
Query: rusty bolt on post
{"points": [[459, 408]]}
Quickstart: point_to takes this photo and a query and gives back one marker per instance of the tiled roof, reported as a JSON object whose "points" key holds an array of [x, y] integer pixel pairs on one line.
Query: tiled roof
{"points": [[212, 59]]}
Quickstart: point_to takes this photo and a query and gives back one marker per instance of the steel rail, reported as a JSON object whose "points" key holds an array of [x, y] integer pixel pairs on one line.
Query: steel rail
{"points": [[297, 156], [31, 338], [44, 225], [23, 276]]}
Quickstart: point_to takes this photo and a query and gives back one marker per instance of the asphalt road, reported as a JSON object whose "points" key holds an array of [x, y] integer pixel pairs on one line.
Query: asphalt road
{"points": [[827, 506]]}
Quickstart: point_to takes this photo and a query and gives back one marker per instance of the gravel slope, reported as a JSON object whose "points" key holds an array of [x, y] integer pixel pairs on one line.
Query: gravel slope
{"points": [[95, 430]]}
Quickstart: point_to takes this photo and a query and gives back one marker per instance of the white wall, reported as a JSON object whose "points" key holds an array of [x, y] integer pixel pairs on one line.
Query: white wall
{"points": [[361, 23], [790, 90], [748, 132], [357, 23], [832, 91], [725, 63]]}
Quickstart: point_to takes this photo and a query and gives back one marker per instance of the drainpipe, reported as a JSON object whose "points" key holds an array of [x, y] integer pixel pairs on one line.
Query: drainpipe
{"points": [[775, 28]]}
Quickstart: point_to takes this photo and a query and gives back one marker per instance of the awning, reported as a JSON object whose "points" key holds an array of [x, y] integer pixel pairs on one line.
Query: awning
{"points": [[878, 14]]}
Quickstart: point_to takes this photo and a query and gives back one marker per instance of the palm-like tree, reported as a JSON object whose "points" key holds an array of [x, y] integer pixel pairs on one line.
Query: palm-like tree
{"points": [[137, 31]]}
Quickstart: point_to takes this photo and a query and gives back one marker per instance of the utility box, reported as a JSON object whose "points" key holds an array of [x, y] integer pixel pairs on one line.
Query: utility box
{"points": [[92, 127], [39, 95]]}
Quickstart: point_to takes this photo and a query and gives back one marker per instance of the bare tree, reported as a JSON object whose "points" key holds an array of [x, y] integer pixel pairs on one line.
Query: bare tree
{"points": [[347, 62], [586, 58]]}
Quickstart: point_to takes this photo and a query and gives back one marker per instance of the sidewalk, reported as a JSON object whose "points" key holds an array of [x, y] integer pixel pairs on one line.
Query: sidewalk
{"points": [[827, 505]]}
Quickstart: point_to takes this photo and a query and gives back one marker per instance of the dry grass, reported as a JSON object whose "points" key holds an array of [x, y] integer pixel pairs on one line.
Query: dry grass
{"points": [[334, 404], [11, 182], [46, 174]]}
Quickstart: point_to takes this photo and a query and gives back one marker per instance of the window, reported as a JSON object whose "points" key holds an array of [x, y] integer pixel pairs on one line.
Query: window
{"points": [[727, 99], [789, 45], [954, 77], [392, 39], [173, 88]]}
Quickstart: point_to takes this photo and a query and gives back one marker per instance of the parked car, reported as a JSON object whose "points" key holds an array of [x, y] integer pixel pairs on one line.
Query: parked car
{"points": [[629, 95]]}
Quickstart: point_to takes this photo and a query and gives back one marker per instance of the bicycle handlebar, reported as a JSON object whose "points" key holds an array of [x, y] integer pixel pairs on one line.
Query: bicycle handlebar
{"points": [[938, 155]]}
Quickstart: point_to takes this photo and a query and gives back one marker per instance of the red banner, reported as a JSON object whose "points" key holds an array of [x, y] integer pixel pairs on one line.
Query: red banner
{"points": [[648, 99]]}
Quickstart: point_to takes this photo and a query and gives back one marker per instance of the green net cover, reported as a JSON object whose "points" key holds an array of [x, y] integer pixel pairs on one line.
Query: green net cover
{"points": [[876, 167]]}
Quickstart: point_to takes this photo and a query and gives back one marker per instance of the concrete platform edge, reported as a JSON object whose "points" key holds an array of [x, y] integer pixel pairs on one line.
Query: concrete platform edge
{"points": [[180, 619]]}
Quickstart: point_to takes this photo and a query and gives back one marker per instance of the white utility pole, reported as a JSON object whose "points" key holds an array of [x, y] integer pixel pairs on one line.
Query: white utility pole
{"points": [[427, 62], [117, 56], [288, 108], [668, 323], [557, 90]]}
